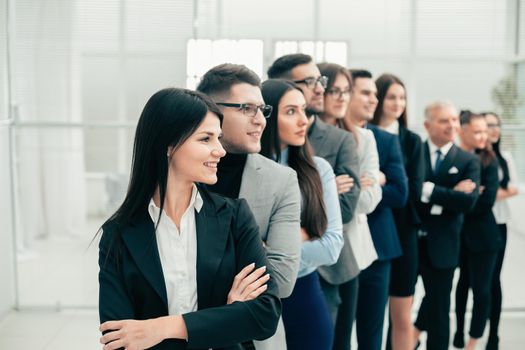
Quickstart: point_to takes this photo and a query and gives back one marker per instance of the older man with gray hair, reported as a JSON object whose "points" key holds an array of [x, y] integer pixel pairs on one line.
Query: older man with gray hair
{"points": [[450, 189]]}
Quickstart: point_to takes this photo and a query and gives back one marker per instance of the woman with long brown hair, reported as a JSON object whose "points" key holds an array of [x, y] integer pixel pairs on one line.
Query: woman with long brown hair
{"points": [[306, 319]]}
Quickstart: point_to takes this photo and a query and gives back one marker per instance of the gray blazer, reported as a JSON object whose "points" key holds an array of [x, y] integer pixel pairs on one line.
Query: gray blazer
{"points": [[339, 148], [273, 194]]}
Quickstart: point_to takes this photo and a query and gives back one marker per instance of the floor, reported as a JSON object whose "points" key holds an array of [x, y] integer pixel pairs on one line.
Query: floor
{"points": [[78, 329]]}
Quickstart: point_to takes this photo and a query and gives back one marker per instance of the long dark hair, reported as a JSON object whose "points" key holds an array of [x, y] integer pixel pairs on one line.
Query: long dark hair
{"points": [[486, 155], [169, 118], [313, 213], [504, 182], [383, 83]]}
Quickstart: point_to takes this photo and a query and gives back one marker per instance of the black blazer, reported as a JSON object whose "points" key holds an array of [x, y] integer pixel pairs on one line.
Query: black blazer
{"points": [[444, 230], [407, 219], [480, 230], [132, 284], [395, 194], [338, 147]]}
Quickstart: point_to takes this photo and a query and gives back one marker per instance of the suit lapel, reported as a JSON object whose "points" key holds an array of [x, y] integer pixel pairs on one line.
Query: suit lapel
{"points": [[318, 136], [251, 188], [428, 162], [212, 236], [402, 135], [142, 244]]}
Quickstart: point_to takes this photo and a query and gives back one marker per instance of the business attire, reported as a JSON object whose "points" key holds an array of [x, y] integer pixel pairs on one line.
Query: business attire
{"points": [[339, 281], [502, 214], [221, 237], [481, 242], [369, 198], [442, 210], [375, 279], [306, 318], [403, 274], [403, 270], [273, 194]]}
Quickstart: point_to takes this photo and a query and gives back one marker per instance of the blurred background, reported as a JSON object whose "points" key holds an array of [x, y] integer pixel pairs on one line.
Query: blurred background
{"points": [[75, 75]]}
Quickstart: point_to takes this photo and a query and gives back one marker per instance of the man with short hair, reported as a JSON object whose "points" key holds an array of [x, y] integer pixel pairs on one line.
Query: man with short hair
{"points": [[271, 190], [374, 280], [329, 142], [450, 190], [339, 148]]}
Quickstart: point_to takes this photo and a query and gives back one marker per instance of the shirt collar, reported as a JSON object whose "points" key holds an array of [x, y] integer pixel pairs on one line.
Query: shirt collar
{"points": [[444, 150], [195, 201], [393, 128]]}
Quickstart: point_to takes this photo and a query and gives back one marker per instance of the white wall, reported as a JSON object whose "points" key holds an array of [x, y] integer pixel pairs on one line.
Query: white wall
{"points": [[440, 48]]}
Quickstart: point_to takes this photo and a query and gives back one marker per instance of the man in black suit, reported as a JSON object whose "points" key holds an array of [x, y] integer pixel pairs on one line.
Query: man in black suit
{"points": [[450, 189]]}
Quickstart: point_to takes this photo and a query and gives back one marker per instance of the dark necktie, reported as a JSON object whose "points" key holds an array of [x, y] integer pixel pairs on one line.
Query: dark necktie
{"points": [[439, 160]]}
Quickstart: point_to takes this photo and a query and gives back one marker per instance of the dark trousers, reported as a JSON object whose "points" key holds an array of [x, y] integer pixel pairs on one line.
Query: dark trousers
{"points": [[476, 271], [433, 315], [342, 303], [495, 310], [306, 319], [371, 303]]}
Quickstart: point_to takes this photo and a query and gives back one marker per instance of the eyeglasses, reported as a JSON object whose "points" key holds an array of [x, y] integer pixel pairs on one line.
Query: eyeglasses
{"points": [[493, 126], [311, 82], [248, 109], [337, 93]]}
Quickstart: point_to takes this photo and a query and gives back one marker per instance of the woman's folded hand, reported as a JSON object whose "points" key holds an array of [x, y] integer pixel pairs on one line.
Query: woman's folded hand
{"points": [[248, 284]]}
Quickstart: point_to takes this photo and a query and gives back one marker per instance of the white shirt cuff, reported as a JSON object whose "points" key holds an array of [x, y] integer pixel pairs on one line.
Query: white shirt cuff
{"points": [[426, 192]]}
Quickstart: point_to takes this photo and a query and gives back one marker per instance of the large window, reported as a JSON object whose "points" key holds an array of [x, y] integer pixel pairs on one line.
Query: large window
{"points": [[321, 51], [204, 54]]}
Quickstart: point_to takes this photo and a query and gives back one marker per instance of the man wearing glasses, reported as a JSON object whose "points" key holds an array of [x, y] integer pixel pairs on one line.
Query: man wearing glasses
{"points": [[335, 145], [271, 190], [331, 143]]}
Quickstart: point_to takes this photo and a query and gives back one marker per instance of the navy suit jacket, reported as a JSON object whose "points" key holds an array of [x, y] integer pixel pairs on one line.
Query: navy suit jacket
{"points": [[395, 195], [132, 283]]}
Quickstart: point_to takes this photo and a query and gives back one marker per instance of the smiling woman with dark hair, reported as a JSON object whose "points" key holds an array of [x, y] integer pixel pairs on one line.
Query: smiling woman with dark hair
{"points": [[181, 267]]}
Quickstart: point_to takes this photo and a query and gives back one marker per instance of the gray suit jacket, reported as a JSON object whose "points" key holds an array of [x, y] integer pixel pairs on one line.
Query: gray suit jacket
{"points": [[339, 148], [273, 194]]}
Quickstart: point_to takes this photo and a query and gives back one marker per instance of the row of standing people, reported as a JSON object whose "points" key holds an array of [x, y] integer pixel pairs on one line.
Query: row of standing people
{"points": [[446, 209], [348, 204]]}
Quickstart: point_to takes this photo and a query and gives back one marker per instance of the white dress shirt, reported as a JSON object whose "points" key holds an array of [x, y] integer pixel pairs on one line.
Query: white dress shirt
{"points": [[178, 255], [393, 128], [428, 187]]}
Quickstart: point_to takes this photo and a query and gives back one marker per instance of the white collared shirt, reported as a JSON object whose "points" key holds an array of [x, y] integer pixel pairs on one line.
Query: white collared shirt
{"points": [[178, 255], [428, 187], [393, 128], [433, 148]]}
